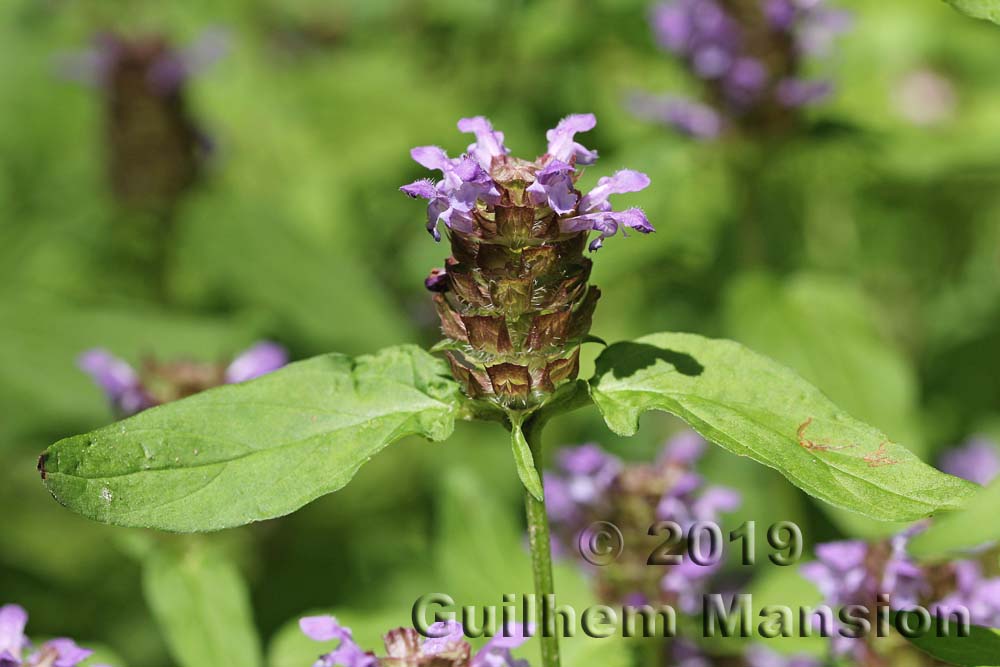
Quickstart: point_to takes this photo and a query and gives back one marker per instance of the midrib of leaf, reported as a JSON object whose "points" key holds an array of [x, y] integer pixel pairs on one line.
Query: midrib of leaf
{"points": [[230, 459]]}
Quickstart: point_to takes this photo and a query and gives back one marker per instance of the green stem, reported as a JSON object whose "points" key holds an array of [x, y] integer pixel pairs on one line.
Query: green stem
{"points": [[541, 546]]}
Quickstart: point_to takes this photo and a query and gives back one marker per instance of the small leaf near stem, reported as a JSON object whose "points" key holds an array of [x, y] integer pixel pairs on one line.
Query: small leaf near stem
{"points": [[525, 461]]}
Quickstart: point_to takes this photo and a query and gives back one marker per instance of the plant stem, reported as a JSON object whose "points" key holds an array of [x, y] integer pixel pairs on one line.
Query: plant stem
{"points": [[541, 546]]}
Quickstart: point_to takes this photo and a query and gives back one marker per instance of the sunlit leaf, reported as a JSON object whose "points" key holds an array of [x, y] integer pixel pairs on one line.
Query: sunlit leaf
{"points": [[253, 451], [756, 407]]}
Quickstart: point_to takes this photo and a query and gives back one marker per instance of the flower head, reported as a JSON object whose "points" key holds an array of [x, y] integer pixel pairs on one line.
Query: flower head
{"points": [[589, 485], [860, 573], [748, 57], [513, 298], [130, 391], [444, 646]]}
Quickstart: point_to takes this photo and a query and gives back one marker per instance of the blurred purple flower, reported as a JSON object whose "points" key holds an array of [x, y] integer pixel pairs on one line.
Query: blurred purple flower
{"points": [[561, 139], [14, 644], [445, 645], [262, 358], [690, 118], [747, 66], [978, 460], [347, 653], [129, 394], [118, 379], [794, 93], [590, 486], [166, 68], [975, 592]]}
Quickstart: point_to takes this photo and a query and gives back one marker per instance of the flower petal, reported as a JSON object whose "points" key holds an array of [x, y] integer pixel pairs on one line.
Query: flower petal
{"points": [[625, 180], [561, 144], [489, 143]]}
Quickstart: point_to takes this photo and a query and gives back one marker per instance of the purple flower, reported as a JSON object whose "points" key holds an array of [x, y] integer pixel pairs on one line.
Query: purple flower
{"points": [[839, 571], [60, 652], [118, 380], [130, 392], [780, 14], [165, 68], [731, 54], [445, 644], [693, 119], [590, 486], [453, 199], [260, 359], [489, 143], [685, 448], [347, 653], [978, 460], [794, 92], [561, 144], [553, 187], [589, 471], [973, 591], [473, 187]]}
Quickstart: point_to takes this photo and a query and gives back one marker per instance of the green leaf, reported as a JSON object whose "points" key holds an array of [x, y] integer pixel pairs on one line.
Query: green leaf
{"points": [[253, 451], [202, 607], [526, 469], [825, 329], [980, 9], [756, 407], [980, 649], [972, 527]]}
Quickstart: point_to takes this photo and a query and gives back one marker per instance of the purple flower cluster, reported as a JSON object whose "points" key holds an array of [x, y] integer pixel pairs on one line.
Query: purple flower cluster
{"points": [[130, 391], [445, 646], [591, 485], [978, 460], [853, 572], [164, 67], [17, 651], [748, 55], [486, 176]]}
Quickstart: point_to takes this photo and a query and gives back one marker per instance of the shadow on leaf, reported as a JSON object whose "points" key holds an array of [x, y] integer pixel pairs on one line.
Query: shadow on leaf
{"points": [[626, 359]]}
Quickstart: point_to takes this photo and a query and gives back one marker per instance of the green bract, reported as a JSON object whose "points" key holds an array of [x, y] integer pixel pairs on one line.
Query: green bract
{"points": [[252, 451], [755, 407]]}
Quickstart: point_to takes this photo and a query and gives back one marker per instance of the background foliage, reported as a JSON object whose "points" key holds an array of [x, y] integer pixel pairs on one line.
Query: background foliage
{"points": [[875, 276]]}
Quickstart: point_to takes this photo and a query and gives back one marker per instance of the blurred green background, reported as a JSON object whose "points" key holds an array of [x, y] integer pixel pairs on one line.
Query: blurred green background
{"points": [[876, 274]]}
